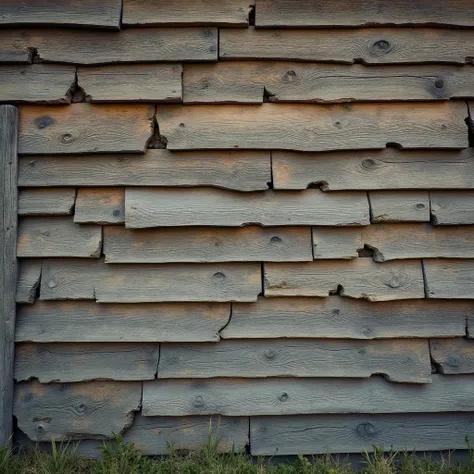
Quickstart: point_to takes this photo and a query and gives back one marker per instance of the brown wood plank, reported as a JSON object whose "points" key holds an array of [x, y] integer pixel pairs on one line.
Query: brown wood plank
{"points": [[46, 202], [453, 356], [100, 206], [314, 127], [449, 279], [29, 277], [336, 242], [399, 206], [452, 208]]}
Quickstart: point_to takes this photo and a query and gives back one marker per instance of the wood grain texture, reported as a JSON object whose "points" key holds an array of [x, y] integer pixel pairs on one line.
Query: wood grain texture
{"points": [[29, 277], [237, 170], [100, 206], [211, 207], [313, 127], [452, 208], [67, 412], [206, 244], [400, 361], [84, 128], [336, 242], [87, 321], [369, 46], [453, 356], [399, 206], [46, 202], [364, 170], [358, 278], [336, 317], [81, 362], [285, 396], [449, 279], [138, 83]]}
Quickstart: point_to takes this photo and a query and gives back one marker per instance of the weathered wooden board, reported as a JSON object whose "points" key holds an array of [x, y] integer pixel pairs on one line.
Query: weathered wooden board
{"points": [[87, 321], [29, 277], [385, 169], [453, 356], [100, 206], [319, 434], [85, 128], [452, 208], [67, 412], [46, 202], [399, 360], [357, 278], [77, 279], [174, 245], [370, 46], [138, 83], [81, 362], [399, 206], [212, 207], [314, 127], [338, 318], [285, 396], [238, 170], [336, 242], [449, 279]]}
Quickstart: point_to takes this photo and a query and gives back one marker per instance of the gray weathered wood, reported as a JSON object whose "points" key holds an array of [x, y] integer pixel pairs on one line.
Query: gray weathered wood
{"points": [[9, 123], [399, 360], [100, 206], [384, 169], [212, 207], [357, 278], [66, 412], [453, 356], [206, 244], [81, 362], [87, 321], [238, 170], [336, 242], [399, 206], [452, 208], [57, 237], [29, 277], [314, 127], [338, 317], [46, 202], [449, 279]]}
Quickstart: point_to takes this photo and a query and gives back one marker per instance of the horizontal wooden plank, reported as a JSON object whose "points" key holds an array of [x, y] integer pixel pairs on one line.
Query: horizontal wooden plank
{"points": [[87, 321], [65, 412], [81, 362], [336, 242], [370, 46], [452, 208], [29, 277], [100, 206], [286, 396], [358, 278], [364, 170], [57, 237], [46, 202], [399, 206], [449, 279], [336, 317], [212, 207], [138, 83], [238, 170], [84, 128], [399, 360], [453, 356], [314, 127], [206, 244]]}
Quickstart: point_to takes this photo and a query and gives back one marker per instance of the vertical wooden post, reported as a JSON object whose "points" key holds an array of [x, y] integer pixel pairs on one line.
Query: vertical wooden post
{"points": [[9, 121]]}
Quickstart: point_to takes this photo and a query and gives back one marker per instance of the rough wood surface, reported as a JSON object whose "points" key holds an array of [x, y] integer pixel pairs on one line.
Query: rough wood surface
{"points": [[453, 356], [399, 361], [29, 276], [385, 169], [212, 207], [285, 396], [67, 412], [314, 127], [452, 208], [237, 170], [57, 237], [450, 279], [46, 202], [87, 321], [84, 128], [339, 318], [336, 242], [399, 206], [138, 83], [370, 46], [100, 206], [358, 278], [206, 244], [81, 362]]}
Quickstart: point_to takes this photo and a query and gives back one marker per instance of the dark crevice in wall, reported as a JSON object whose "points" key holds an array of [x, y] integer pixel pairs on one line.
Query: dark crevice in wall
{"points": [[371, 214], [219, 333], [470, 126], [312, 244], [436, 368], [338, 291], [263, 280], [270, 183], [157, 363], [268, 96], [121, 14], [366, 251], [467, 327], [252, 15], [248, 448], [34, 56], [425, 281], [76, 93], [322, 185], [156, 141]]}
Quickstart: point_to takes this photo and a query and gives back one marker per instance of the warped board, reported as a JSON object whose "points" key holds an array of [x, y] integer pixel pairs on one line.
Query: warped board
{"points": [[369, 46], [84, 128], [29, 277], [399, 360], [138, 83], [80, 362], [399, 206], [87, 321], [237, 170], [364, 170], [336, 242], [285, 396], [358, 278], [57, 237], [46, 202], [175, 245], [449, 279], [336, 317], [452, 208], [100, 206], [67, 412], [211, 207], [313, 127], [453, 356]]}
